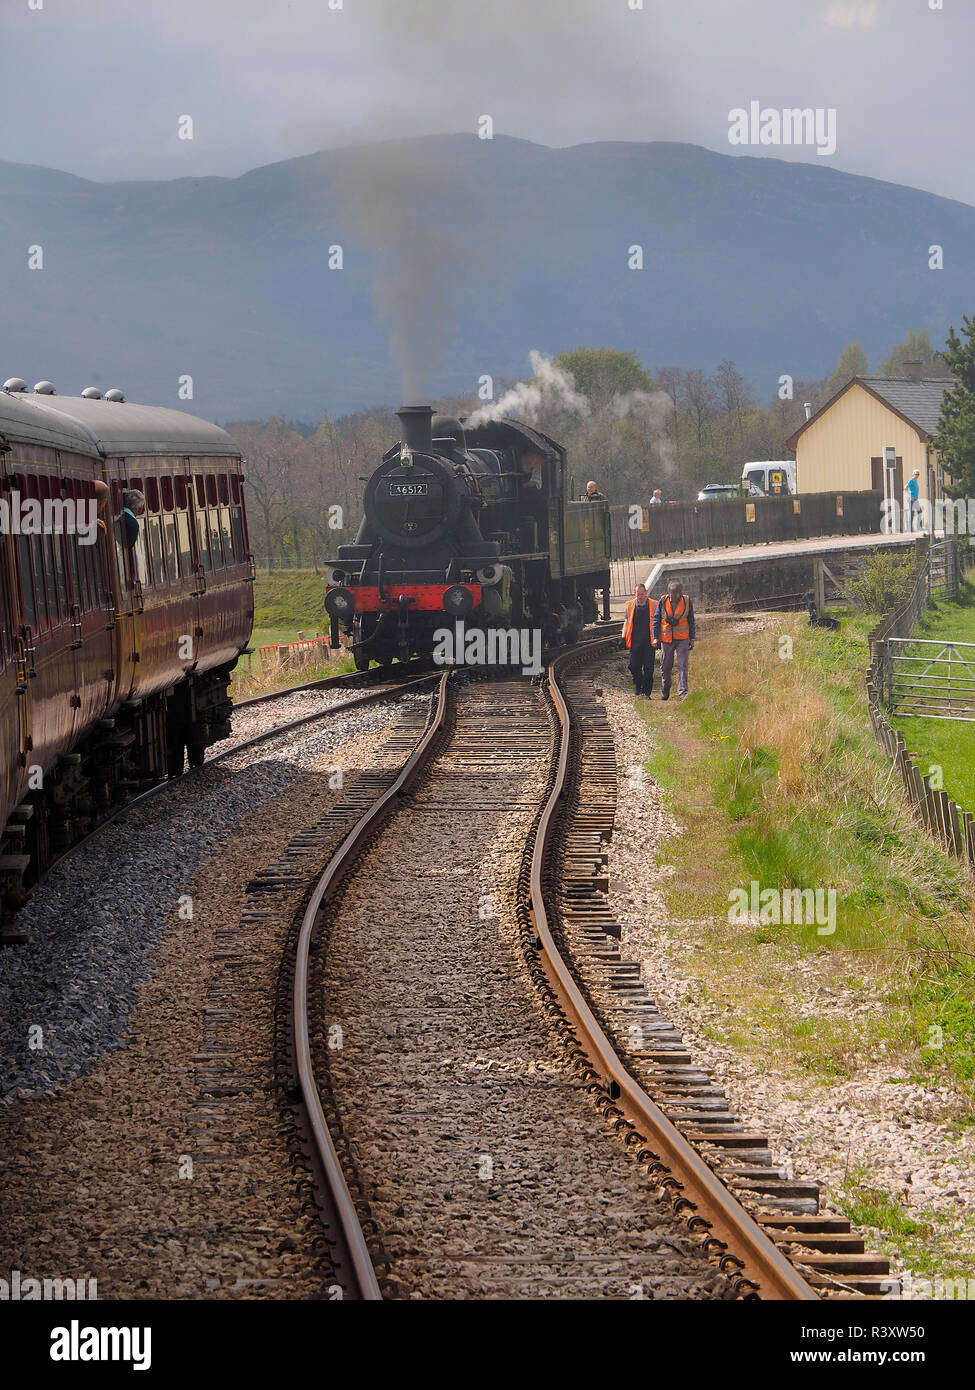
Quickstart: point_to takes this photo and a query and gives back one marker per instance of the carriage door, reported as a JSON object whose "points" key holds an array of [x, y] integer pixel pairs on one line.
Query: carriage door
{"points": [[65, 543], [194, 548], [129, 574]]}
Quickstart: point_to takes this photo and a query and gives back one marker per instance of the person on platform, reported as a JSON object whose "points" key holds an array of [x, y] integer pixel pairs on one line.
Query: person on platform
{"points": [[913, 493], [638, 639], [673, 632]]}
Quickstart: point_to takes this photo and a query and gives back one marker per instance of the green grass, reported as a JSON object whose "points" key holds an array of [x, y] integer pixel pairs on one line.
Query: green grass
{"points": [[286, 603], [773, 770]]}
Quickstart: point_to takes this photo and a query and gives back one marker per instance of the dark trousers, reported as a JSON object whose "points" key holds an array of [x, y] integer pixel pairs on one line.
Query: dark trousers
{"points": [[642, 658]]}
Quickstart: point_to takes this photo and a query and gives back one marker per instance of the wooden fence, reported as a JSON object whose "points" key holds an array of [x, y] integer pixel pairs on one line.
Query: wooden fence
{"points": [[942, 818], [675, 527], [294, 656]]}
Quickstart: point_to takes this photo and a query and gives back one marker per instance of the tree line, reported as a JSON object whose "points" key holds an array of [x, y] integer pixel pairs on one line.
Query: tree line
{"points": [[630, 428]]}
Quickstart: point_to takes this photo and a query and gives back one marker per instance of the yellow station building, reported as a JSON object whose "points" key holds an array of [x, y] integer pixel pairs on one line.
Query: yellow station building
{"points": [[841, 447]]}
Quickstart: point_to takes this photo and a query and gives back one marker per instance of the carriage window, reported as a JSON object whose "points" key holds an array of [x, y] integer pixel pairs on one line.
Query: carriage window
{"points": [[203, 540], [50, 586], [71, 543], [237, 524], [223, 487], [137, 484], [140, 555], [170, 547], [183, 537], [60, 574], [6, 636], [201, 495], [215, 539], [96, 577], [27, 602], [167, 494], [235, 487], [152, 494], [153, 524], [227, 537], [211, 490], [181, 498]]}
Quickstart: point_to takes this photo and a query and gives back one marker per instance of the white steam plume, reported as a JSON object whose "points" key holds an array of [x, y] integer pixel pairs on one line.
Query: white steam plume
{"points": [[550, 387]]}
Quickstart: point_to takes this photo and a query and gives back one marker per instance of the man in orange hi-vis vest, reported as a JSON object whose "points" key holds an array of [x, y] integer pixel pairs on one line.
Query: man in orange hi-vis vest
{"points": [[637, 638], [673, 631]]}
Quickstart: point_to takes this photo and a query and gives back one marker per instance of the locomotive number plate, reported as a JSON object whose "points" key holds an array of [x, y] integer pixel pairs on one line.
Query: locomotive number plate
{"points": [[409, 489]]}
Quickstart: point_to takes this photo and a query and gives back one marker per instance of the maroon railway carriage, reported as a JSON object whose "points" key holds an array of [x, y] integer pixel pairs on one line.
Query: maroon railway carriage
{"points": [[114, 662]]}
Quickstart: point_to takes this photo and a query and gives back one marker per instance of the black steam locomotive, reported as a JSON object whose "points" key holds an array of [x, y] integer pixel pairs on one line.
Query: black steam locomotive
{"points": [[468, 524]]}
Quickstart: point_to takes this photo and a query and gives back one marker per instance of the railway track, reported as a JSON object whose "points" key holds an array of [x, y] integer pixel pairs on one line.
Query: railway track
{"points": [[762, 1232], [380, 689], [756, 1216]]}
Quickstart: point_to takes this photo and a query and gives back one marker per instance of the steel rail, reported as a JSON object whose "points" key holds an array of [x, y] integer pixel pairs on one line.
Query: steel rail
{"points": [[358, 1258], [761, 1262], [374, 676], [117, 812]]}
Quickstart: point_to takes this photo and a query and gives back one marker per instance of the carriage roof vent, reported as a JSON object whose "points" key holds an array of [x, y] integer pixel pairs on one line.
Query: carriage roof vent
{"points": [[45, 388], [91, 393], [15, 383], [114, 395]]}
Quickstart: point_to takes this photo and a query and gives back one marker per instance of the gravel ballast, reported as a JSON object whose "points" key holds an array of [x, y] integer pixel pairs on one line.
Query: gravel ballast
{"points": [[162, 1170]]}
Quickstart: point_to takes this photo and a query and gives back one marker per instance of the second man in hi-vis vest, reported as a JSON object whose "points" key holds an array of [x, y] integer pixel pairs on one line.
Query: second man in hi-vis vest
{"points": [[673, 632]]}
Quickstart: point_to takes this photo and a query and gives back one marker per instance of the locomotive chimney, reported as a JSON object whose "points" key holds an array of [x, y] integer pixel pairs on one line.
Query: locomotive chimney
{"points": [[415, 426]]}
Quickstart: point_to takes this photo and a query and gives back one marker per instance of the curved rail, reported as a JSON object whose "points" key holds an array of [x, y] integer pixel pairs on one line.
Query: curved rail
{"points": [[376, 675], [762, 1263], [357, 1257], [370, 696]]}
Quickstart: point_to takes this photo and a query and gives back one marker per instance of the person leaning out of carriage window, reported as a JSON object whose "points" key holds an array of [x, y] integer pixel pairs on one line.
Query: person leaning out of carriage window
{"points": [[133, 506], [673, 632], [593, 494], [656, 499], [637, 637]]}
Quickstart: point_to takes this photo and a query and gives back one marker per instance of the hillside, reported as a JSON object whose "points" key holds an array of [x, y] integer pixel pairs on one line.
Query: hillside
{"points": [[511, 246]]}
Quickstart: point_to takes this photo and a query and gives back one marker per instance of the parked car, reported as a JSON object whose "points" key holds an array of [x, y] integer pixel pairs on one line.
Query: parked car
{"points": [[726, 490]]}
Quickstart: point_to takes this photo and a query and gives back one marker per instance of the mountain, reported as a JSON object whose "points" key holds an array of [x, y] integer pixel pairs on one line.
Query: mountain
{"points": [[508, 246]]}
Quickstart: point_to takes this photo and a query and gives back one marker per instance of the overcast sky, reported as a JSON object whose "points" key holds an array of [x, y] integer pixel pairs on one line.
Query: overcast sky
{"points": [[97, 87]]}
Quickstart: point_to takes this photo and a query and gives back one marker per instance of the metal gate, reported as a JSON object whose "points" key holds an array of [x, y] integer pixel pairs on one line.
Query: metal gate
{"points": [[930, 678]]}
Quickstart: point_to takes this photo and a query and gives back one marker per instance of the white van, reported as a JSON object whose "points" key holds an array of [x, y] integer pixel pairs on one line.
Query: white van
{"points": [[773, 477]]}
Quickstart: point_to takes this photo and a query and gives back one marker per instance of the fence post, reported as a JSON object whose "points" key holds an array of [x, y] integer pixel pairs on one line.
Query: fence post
{"points": [[954, 830]]}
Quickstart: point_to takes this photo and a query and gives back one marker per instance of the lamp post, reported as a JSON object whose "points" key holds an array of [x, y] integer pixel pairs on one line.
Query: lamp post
{"points": [[890, 464]]}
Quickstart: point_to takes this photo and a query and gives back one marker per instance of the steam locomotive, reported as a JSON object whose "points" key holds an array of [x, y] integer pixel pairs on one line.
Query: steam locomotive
{"points": [[116, 646], [469, 524]]}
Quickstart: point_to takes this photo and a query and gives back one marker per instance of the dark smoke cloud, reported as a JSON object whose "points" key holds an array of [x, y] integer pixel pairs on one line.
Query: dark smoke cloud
{"points": [[442, 65]]}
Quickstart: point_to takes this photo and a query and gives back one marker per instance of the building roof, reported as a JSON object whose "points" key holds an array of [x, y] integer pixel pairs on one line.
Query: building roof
{"points": [[918, 402], [108, 428]]}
